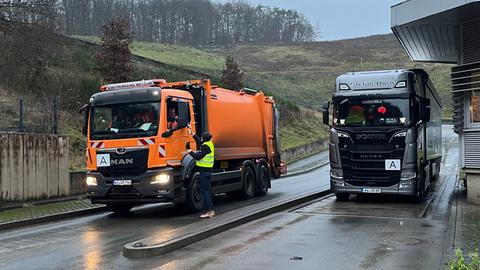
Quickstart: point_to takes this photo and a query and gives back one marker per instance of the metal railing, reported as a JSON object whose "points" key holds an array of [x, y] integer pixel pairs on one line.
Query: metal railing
{"points": [[28, 115]]}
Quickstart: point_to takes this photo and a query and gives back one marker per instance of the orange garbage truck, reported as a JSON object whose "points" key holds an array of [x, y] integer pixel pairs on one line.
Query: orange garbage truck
{"points": [[138, 136]]}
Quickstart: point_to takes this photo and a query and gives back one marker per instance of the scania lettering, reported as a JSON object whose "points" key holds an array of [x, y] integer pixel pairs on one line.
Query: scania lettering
{"points": [[385, 133]]}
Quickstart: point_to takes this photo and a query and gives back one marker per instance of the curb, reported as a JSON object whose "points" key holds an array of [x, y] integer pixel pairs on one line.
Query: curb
{"points": [[45, 219], [142, 249]]}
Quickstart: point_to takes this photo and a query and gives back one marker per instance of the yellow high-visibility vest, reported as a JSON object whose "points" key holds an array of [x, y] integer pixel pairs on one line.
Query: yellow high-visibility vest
{"points": [[208, 160]]}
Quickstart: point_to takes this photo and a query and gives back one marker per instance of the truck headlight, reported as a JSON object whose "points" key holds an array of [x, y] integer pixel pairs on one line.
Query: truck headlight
{"points": [[408, 175], [161, 179], [91, 181]]}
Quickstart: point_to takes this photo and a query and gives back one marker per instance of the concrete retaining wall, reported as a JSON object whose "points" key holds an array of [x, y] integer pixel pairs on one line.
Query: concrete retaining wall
{"points": [[296, 153], [33, 167]]}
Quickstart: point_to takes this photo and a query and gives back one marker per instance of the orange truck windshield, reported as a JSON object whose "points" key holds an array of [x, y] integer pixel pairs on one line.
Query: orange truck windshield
{"points": [[124, 120]]}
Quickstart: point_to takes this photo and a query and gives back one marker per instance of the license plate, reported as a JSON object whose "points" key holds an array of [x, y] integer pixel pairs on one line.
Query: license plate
{"points": [[372, 190], [122, 182]]}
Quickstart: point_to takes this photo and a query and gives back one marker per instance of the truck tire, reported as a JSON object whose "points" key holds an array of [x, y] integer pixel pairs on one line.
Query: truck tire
{"points": [[194, 194], [120, 209], [248, 187], [342, 197], [263, 181]]}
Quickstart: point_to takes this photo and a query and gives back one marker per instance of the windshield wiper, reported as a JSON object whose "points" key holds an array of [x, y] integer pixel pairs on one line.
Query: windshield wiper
{"points": [[134, 130], [103, 134]]}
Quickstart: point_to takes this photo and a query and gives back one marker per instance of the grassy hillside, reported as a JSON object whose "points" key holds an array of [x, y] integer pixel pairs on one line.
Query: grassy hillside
{"points": [[298, 125], [306, 73], [299, 74]]}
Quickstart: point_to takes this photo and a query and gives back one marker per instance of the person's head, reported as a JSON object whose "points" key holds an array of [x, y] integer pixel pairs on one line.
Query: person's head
{"points": [[206, 136], [172, 112]]}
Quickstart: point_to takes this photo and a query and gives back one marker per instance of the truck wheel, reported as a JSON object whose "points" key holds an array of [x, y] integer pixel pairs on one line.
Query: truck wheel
{"points": [[342, 197], [120, 209], [194, 194], [263, 181], [248, 188]]}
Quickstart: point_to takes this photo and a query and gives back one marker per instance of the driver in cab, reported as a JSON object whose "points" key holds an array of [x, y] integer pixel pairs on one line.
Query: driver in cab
{"points": [[172, 119]]}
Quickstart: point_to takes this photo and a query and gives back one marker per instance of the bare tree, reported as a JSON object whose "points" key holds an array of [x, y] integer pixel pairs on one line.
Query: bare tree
{"points": [[113, 58]]}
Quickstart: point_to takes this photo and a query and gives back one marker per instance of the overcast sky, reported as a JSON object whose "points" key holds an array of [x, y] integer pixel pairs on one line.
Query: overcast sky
{"points": [[340, 19]]}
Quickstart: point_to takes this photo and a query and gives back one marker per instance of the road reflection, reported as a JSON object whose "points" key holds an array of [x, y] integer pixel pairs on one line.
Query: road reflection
{"points": [[92, 259]]}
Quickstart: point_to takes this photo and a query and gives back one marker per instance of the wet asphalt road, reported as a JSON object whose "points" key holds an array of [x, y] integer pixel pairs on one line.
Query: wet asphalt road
{"points": [[365, 234], [96, 242]]}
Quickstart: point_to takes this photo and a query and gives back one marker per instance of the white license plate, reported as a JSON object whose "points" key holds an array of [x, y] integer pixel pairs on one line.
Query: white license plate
{"points": [[372, 190], [122, 182]]}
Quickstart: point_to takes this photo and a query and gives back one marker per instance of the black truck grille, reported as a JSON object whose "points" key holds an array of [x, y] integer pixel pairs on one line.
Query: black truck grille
{"points": [[363, 155], [364, 165], [132, 163]]}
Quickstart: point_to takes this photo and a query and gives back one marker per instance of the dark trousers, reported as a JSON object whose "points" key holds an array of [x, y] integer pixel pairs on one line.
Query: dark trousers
{"points": [[205, 189]]}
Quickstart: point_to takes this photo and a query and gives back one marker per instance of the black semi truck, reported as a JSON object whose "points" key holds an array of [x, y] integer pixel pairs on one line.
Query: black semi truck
{"points": [[385, 133]]}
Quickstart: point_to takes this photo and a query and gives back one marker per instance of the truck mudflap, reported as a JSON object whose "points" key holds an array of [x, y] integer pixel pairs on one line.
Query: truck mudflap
{"points": [[404, 188], [140, 189]]}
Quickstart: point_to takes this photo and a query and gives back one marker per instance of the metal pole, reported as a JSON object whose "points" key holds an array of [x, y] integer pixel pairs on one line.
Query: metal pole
{"points": [[21, 124], [55, 116]]}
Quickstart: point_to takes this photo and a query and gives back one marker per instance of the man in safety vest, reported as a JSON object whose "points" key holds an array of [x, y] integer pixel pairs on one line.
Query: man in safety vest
{"points": [[205, 159]]}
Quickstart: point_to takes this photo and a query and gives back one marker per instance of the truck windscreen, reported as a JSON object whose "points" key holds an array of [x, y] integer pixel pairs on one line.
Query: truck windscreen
{"points": [[372, 112], [124, 120]]}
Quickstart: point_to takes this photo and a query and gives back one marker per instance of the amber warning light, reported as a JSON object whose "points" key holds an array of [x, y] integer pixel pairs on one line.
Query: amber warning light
{"points": [[137, 84]]}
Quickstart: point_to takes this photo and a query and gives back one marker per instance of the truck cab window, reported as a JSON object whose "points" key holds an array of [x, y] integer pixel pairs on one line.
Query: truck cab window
{"points": [[178, 114], [372, 112], [125, 120]]}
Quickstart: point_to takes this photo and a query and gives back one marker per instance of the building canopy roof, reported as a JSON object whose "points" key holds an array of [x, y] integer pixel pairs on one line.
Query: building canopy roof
{"points": [[429, 29]]}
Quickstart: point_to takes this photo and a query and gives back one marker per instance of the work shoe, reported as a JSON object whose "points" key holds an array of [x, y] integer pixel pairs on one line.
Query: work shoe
{"points": [[208, 214]]}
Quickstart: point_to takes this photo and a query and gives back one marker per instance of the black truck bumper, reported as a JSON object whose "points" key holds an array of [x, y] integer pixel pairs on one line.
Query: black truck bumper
{"points": [[141, 190]]}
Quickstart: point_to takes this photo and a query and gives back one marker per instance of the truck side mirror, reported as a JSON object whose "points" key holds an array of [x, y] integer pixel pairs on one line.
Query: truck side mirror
{"points": [[85, 109], [326, 114], [425, 110], [183, 115]]}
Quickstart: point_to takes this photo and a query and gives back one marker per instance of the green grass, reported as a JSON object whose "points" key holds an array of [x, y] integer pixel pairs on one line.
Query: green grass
{"points": [[187, 57]]}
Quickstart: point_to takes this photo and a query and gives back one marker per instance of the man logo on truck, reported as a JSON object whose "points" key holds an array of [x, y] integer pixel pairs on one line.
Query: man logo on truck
{"points": [[121, 161]]}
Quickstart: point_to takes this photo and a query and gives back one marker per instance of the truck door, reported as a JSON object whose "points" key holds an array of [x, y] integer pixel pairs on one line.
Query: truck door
{"points": [[178, 116]]}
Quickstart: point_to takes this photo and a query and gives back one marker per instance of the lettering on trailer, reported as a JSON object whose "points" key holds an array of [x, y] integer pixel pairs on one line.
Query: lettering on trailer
{"points": [[392, 165], [376, 84], [119, 86]]}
